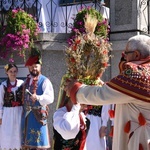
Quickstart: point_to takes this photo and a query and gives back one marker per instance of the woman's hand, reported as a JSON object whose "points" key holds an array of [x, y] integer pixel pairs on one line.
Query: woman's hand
{"points": [[102, 131]]}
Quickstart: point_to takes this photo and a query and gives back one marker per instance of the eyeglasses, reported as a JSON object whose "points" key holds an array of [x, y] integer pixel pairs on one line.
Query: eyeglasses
{"points": [[127, 52]]}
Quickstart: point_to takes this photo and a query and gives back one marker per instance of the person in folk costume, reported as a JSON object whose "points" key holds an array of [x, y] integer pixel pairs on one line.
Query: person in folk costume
{"points": [[129, 91], [38, 94], [70, 124], [97, 135], [99, 117], [11, 109]]}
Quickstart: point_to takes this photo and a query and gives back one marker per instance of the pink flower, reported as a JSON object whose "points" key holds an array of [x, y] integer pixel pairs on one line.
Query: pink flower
{"points": [[19, 34], [23, 26], [26, 31], [11, 60], [14, 11], [25, 46]]}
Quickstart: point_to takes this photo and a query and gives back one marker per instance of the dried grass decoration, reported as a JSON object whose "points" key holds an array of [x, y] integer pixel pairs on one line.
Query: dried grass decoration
{"points": [[87, 56]]}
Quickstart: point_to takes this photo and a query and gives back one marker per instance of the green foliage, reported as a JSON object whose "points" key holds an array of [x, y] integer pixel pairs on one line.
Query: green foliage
{"points": [[17, 20], [102, 27]]}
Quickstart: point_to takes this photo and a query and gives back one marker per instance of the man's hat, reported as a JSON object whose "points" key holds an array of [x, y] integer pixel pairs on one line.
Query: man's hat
{"points": [[34, 57]]}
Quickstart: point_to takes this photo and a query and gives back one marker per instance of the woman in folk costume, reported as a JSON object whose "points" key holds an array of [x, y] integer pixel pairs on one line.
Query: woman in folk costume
{"points": [[11, 109], [39, 93], [70, 125], [99, 117]]}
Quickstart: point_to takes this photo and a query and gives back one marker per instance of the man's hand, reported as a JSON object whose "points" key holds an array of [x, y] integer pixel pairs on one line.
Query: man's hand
{"points": [[33, 98]]}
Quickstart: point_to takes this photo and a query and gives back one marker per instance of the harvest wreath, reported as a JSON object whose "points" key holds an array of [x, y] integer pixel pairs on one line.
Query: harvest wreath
{"points": [[87, 55]]}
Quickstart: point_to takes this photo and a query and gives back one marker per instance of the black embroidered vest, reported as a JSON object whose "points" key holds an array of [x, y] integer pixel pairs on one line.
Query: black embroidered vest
{"points": [[94, 110], [11, 99], [72, 144]]}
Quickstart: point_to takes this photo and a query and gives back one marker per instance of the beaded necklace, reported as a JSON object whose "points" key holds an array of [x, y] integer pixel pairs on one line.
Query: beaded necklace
{"points": [[10, 86]]}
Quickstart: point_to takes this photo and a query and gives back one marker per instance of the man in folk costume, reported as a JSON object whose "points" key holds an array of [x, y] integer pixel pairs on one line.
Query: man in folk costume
{"points": [[38, 93], [130, 91], [70, 124]]}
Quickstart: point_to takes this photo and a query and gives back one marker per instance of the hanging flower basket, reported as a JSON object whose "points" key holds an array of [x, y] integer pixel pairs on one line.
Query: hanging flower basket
{"points": [[18, 35], [87, 55]]}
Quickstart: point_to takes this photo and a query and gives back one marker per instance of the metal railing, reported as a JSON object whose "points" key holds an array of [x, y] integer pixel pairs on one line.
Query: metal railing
{"points": [[51, 15], [55, 17], [144, 17]]}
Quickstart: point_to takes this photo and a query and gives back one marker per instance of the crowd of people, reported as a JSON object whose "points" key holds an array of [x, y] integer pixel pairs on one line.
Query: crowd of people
{"points": [[80, 119]]}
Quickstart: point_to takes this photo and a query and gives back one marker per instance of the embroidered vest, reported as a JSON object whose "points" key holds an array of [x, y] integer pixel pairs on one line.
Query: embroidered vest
{"points": [[11, 99], [39, 90], [72, 144], [93, 110], [40, 112]]}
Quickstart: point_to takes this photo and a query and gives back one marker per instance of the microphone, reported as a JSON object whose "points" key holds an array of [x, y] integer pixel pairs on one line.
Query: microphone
{"points": [[28, 92]]}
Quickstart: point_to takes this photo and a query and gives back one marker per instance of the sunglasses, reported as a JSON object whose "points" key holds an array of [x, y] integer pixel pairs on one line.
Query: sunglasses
{"points": [[125, 52]]}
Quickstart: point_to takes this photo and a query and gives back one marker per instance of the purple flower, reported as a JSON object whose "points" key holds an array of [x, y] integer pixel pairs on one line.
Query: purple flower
{"points": [[24, 29], [75, 30], [104, 22], [80, 23], [11, 60], [8, 44]]}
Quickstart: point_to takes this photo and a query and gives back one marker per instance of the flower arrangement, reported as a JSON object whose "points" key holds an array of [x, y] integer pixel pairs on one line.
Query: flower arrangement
{"points": [[87, 55], [18, 35], [102, 28]]}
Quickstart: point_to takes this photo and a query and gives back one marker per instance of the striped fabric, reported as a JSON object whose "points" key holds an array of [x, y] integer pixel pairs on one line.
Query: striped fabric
{"points": [[134, 81]]}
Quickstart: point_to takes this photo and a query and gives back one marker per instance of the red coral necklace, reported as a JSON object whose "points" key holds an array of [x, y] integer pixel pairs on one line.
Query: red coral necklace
{"points": [[11, 86]]}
